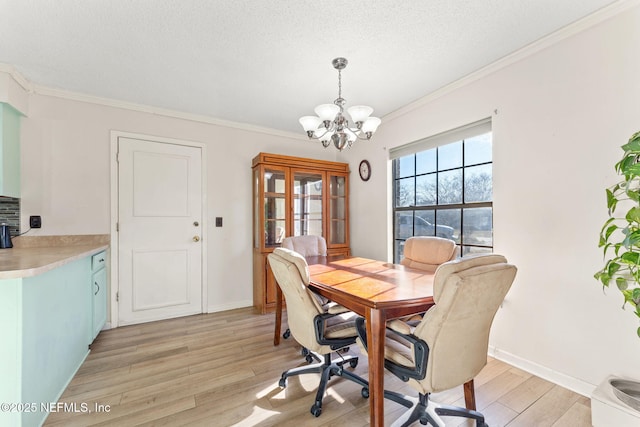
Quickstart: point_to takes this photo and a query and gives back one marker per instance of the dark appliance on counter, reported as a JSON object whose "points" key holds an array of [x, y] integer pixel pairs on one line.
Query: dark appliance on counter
{"points": [[5, 237]]}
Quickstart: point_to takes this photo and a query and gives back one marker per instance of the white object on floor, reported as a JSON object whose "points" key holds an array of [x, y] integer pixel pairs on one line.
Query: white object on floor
{"points": [[607, 410]]}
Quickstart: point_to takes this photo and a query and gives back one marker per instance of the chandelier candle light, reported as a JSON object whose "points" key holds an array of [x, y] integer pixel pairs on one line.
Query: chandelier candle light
{"points": [[331, 125]]}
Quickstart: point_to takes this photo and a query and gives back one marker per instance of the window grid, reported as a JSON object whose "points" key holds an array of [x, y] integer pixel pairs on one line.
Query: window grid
{"points": [[415, 208]]}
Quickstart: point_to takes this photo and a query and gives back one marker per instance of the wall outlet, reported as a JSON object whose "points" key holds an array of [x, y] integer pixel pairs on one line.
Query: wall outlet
{"points": [[35, 221], [218, 221]]}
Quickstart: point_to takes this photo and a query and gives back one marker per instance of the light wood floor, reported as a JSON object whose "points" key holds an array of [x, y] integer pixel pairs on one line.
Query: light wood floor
{"points": [[222, 370]]}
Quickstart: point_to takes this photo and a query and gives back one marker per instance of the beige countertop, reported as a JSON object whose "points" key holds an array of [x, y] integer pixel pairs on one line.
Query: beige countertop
{"points": [[37, 255]]}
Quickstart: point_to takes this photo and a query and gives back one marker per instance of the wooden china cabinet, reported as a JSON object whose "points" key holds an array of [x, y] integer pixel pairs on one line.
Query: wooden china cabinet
{"points": [[294, 196]]}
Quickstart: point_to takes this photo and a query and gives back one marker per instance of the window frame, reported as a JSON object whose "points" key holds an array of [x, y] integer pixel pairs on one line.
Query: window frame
{"points": [[425, 145]]}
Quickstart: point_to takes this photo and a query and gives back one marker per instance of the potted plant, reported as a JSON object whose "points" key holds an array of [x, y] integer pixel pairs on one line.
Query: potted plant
{"points": [[620, 234]]}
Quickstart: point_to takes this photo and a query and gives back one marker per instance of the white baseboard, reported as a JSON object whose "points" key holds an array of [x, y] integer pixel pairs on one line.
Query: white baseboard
{"points": [[574, 384], [229, 306]]}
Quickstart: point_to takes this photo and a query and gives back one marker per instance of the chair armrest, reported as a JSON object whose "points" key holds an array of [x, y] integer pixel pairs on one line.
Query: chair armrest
{"points": [[400, 327], [337, 309], [420, 349]]}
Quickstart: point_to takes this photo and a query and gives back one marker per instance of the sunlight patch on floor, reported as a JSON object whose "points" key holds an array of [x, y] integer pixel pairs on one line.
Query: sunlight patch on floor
{"points": [[257, 416]]}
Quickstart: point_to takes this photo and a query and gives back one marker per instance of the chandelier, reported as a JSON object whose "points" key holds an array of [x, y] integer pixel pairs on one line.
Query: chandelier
{"points": [[331, 125]]}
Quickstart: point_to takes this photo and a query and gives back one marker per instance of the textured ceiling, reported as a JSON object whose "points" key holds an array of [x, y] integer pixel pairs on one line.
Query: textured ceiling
{"points": [[268, 62]]}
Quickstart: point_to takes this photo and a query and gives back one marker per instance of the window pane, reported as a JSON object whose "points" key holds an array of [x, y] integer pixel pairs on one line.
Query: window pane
{"points": [[404, 224], [478, 226], [274, 232], [477, 149], [405, 190], [448, 224], [338, 231], [426, 190], [424, 223], [426, 161], [478, 183], [398, 250], [274, 181], [467, 250], [274, 207], [406, 166], [450, 187], [450, 156]]}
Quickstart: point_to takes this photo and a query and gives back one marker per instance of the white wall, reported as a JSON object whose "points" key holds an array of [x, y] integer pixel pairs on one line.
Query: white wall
{"points": [[66, 179], [562, 114]]}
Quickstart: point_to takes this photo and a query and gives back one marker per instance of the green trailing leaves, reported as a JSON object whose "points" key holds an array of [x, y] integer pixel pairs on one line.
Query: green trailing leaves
{"points": [[622, 234]]}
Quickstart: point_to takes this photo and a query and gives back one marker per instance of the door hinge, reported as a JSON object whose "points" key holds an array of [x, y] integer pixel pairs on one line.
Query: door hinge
{"points": [[117, 226], [117, 296]]}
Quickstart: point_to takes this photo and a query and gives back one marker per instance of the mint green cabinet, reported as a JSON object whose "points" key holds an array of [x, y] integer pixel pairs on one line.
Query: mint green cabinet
{"points": [[45, 321], [9, 151], [98, 293]]}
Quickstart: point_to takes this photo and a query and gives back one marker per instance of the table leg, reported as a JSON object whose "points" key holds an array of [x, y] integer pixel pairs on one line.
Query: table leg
{"points": [[469, 395], [278, 327], [376, 332]]}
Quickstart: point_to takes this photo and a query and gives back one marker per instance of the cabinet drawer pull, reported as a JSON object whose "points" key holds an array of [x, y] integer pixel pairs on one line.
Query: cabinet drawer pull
{"points": [[98, 286]]}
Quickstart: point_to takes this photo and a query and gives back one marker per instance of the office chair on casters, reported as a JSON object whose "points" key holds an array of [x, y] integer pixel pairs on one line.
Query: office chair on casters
{"points": [[319, 329], [449, 346], [428, 253], [307, 245]]}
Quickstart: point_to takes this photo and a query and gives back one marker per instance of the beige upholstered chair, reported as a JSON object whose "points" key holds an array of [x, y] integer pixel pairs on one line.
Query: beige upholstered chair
{"points": [[308, 245], [428, 252], [319, 329], [449, 346]]}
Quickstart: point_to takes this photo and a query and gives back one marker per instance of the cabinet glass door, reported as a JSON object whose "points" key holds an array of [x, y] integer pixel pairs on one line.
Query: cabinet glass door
{"points": [[307, 203], [275, 214], [337, 210]]}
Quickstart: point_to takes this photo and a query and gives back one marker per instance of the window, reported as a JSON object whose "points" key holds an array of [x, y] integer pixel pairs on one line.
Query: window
{"points": [[442, 186]]}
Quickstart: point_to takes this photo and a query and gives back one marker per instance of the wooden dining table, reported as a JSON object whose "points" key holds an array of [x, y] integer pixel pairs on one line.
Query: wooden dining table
{"points": [[378, 291]]}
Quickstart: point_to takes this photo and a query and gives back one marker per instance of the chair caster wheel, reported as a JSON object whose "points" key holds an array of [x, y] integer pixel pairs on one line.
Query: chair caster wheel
{"points": [[286, 334], [283, 382], [365, 392], [353, 363], [316, 410]]}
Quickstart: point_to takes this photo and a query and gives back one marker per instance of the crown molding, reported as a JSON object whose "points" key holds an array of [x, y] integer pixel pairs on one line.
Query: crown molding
{"points": [[520, 54], [25, 84], [36, 89], [81, 97]]}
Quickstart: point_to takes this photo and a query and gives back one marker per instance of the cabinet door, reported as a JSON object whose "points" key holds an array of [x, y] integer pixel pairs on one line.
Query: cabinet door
{"points": [[99, 301], [307, 203], [9, 151], [272, 221], [338, 224]]}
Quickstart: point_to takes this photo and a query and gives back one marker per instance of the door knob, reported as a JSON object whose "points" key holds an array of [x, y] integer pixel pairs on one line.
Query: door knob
{"points": [[196, 238]]}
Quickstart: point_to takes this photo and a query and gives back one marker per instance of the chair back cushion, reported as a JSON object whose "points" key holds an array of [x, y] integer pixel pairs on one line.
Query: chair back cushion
{"points": [[308, 245], [291, 272], [467, 293], [427, 252]]}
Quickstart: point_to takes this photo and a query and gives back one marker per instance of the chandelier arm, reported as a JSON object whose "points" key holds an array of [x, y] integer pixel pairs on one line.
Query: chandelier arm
{"points": [[326, 131], [357, 132]]}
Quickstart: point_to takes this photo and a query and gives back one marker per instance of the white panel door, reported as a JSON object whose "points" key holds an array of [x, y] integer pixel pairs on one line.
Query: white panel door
{"points": [[159, 219]]}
